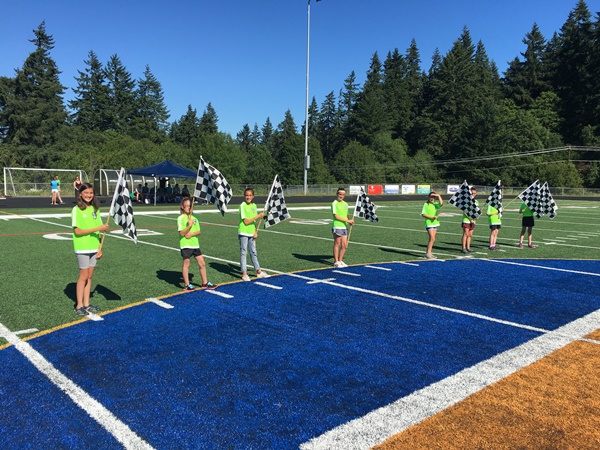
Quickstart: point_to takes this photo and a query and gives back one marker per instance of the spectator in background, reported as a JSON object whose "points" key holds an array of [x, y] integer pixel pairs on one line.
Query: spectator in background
{"points": [[76, 185]]}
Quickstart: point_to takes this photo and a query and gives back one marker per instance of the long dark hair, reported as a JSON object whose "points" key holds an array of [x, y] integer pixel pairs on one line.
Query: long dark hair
{"points": [[81, 203]]}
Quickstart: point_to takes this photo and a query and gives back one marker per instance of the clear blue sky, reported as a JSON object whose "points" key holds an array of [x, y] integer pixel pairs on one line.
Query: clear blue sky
{"points": [[248, 58]]}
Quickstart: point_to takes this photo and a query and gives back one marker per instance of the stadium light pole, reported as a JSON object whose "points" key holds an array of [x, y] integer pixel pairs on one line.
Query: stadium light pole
{"points": [[306, 157]]}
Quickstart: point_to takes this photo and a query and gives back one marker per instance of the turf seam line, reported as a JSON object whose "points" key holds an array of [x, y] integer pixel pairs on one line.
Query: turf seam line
{"points": [[383, 423], [91, 406]]}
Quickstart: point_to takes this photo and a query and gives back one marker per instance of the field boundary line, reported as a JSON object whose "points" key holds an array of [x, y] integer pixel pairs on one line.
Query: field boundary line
{"points": [[91, 406]]}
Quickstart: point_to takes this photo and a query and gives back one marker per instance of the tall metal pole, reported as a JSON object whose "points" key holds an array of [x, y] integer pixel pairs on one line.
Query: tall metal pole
{"points": [[306, 157]]}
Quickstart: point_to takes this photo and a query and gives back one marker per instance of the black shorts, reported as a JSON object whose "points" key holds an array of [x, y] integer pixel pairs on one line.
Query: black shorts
{"points": [[527, 221], [187, 253], [495, 226]]}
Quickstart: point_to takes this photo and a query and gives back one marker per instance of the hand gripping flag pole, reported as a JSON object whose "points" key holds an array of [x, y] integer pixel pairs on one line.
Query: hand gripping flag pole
{"points": [[275, 208], [364, 208]]}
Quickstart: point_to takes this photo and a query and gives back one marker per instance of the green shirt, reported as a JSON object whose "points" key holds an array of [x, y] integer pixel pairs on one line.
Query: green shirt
{"points": [[524, 209], [431, 209], [247, 211], [84, 220], [182, 224], [495, 218], [341, 209]]}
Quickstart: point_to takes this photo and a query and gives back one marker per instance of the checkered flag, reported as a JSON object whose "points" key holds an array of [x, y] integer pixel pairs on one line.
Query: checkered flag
{"points": [[531, 197], [212, 186], [495, 198], [463, 200], [121, 210], [364, 207], [546, 202], [275, 208]]}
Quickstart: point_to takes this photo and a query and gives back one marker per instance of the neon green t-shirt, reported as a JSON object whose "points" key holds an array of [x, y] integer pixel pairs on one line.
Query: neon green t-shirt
{"points": [[493, 219], [84, 220], [341, 209], [247, 211], [524, 209], [431, 209], [182, 224]]}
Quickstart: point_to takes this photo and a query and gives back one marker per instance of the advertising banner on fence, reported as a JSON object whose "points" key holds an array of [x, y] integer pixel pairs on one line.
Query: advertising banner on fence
{"points": [[423, 188], [391, 189], [408, 189]]}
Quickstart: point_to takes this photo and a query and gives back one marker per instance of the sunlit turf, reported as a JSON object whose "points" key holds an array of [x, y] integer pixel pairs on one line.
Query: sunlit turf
{"points": [[38, 274]]}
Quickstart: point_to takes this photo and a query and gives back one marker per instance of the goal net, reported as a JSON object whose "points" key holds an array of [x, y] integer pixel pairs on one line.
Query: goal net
{"points": [[24, 182]]}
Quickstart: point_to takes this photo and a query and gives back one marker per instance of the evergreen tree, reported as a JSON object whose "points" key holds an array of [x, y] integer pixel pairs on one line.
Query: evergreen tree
{"points": [[289, 151], [121, 94], [152, 114], [91, 102], [34, 109], [243, 139], [187, 129], [267, 133], [328, 127], [574, 80], [208, 121]]}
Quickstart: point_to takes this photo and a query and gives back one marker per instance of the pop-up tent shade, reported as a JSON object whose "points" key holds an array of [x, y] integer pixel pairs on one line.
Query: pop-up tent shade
{"points": [[166, 169]]}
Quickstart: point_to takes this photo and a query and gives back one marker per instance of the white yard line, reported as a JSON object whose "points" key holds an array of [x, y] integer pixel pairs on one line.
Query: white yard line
{"points": [[92, 407]]}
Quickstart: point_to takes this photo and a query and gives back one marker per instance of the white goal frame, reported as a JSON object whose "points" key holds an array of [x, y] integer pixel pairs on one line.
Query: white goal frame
{"points": [[9, 183]]}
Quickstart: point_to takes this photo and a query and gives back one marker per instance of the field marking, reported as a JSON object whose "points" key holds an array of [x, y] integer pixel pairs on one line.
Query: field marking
{"points": [[347, 273], [220, 294], [541, 267], [385, 422], [160, 303], [270, 286], [406, 263], [91, 406], [387, 269], [324, 280]]}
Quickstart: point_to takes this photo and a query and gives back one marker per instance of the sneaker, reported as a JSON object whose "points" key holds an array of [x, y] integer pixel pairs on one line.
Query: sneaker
{"points": [[531, 246], [429, 256], [81, 311], [336, 264], [520, 245], [469, 250], [246, 278], [263, 274], [492, 248], [208, 285], [342, 265], [464, 251], [189, 287], [91, 308]]}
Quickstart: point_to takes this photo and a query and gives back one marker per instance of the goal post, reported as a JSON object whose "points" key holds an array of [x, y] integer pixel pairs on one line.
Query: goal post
{"points": [[27, 182]]}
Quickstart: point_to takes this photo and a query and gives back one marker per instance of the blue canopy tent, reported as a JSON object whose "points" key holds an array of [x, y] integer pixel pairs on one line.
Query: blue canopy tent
{"points": [[166, 169]]}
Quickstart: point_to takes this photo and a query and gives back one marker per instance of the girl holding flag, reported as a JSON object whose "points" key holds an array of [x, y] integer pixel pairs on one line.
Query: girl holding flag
{"points": [[87, 225]]}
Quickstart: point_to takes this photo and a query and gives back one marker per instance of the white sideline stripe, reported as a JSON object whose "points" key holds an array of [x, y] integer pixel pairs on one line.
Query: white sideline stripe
{"points": [[161, 303], [95, 409], [347, 273], [383, 423], [320, 281], [30, 330], [220, 294], [406, 263], [541, 267], [387, 269], [260, 283]]}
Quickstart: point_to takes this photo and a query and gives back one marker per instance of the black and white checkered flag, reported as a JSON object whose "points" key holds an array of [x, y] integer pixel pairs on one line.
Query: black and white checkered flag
{"points": [[547, 204], [531, 197], [495, 198], [364, 207], [275, 208], [121, 209], [463, 200], [212, 186]]}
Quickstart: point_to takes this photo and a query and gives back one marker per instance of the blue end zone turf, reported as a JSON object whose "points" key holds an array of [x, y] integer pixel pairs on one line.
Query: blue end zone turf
{"points": [[275, 368]]}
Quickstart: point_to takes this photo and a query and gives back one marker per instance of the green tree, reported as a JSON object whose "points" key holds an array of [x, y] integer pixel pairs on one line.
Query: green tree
{"points": [[34, 110], [152, 114], [356, 163], [328, 127], [121, 93], [187, 129], [208, 121], [289, 151]]}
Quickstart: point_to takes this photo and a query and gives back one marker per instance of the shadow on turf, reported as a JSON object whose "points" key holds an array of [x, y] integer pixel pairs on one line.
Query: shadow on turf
{"points": [[401, 252], [71, 292], [322, 259]]}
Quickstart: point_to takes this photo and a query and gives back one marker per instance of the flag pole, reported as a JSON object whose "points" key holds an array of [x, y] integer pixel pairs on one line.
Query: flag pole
{"points": [[112, 204]]}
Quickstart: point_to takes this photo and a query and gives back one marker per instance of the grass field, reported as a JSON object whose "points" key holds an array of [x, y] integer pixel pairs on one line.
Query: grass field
{"points": [[39, 270]]}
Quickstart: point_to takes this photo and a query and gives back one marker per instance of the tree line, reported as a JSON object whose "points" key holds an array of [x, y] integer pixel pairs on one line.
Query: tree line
{"points": [[460, 119]]}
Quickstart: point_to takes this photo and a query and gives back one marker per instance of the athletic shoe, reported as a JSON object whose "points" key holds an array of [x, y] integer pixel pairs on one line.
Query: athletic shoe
{"points": [[465, 251], [81, 311], [189, 287], [92, 308], [246, 278], [263, 274], [336, 264], [342, 265], [531, 246], [520, 245], [469, 250], [429, 256], [208, 286]]}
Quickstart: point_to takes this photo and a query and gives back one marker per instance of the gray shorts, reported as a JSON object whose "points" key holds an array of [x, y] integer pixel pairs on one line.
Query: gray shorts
{"points": [[340, 231], [86, 260]]}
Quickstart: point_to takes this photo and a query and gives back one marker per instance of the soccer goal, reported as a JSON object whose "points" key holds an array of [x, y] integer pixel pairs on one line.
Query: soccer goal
{"points": [[25, 182]]}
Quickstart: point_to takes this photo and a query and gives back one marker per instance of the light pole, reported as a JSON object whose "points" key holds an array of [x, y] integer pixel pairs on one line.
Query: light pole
{"points": [[306, 157]]}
